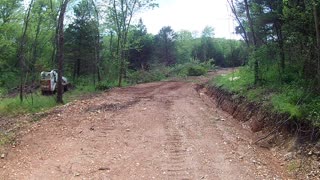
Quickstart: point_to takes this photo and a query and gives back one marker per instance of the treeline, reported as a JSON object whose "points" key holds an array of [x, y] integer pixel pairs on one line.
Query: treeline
{"points": [[284, 59], [98, 41], [284, 37]]}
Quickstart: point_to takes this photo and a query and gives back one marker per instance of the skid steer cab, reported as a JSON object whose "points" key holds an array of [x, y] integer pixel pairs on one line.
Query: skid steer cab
{"points": [[49, 82]]}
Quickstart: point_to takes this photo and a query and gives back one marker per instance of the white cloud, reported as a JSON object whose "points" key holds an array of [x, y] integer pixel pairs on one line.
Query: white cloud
{"points": [[191, 15]]}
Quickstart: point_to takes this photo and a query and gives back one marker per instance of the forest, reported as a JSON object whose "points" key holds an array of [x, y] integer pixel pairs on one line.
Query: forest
{"points": [[283, 67], [100, 44]]}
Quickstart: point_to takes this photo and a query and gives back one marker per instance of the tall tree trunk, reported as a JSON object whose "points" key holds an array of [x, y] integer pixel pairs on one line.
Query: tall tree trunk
{"points": [[234, 11], [35, 46], [21, 55], [316, 23], [278, 29], [60, 52], [97, 42], [254, 41]]}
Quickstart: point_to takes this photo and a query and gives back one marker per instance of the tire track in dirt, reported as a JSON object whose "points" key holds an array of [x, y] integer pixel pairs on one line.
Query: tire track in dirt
{"points": [[176, 149]]}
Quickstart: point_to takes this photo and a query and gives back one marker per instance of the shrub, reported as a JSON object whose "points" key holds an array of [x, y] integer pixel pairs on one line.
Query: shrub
{"points": [[105, 85], [196, 70], [192, 68], [143, 76]]}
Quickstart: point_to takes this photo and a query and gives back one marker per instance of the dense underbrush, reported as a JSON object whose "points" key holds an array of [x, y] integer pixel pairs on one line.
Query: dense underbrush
{"points": [[158, 73]]}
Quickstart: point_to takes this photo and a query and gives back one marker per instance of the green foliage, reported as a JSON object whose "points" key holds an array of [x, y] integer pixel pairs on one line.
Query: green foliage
{"points": [[105, 85], [292, 98], [287, 100], [142, 76], [196, 71], [191, 68], [312, 111], [31, 104], [6, 138], [236, 82]]}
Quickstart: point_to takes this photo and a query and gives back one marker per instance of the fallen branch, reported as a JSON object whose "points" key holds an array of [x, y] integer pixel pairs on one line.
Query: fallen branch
{"points": [[273, 131]]}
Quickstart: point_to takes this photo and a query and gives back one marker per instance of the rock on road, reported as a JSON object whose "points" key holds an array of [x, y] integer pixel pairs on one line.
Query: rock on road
{"points": [[161, 130]]}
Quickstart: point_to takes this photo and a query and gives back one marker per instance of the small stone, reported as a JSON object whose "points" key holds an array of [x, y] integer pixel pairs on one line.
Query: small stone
{"points": [[127, 130], [241, 157], [104, 169], [254, 161], [222, 119], [310, 153], [288, 156], [2, 156], [77, 174]]}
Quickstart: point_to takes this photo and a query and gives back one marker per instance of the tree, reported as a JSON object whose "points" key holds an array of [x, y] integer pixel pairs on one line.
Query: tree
{"points": [[185, 45], [207, 43], [165, 46], [317, 30], [240, 29], [60, 44], [21, 51], [139, 56], [120, 14], [83, 41]]}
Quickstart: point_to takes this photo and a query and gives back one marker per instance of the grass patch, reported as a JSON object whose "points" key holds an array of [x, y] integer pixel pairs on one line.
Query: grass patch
{"points": [[293, 166], [6, 138], [292, 97], [31, 104], [236, 82]]}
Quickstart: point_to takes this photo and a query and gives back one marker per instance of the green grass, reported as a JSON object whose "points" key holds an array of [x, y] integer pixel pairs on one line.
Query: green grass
{"points": [[236, 82], [31, 104], [37, 102], [6, 138], [291, 98]]}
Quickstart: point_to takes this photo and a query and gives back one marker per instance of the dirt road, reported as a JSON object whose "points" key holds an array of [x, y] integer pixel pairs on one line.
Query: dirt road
{"points": [[161, 130]]}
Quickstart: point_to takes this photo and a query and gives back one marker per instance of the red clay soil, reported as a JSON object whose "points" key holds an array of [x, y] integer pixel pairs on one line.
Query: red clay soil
{"points": [[161, 130]]}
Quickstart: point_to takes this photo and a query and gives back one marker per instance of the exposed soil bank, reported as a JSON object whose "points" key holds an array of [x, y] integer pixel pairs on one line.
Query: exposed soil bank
{"points": [[250, 113], [297, 140]]}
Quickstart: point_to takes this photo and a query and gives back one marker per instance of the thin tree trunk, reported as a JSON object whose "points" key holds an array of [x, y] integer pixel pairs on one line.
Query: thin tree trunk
{"points": [[278, 29], [60, 51], [316, 23], [256, 63], [234, 11], [21, 55], [35, 47], [97, 43]]}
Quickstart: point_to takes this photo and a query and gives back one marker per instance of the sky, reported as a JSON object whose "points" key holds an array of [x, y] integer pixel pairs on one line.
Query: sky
{"points": [[191, 15]]}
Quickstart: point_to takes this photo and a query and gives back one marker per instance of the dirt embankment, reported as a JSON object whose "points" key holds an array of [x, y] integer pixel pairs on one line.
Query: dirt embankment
{"points": [[273, 131]]}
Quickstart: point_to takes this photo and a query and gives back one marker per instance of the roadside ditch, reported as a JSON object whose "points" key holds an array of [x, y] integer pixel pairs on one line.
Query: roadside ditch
{"points": [[297, 141]]}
